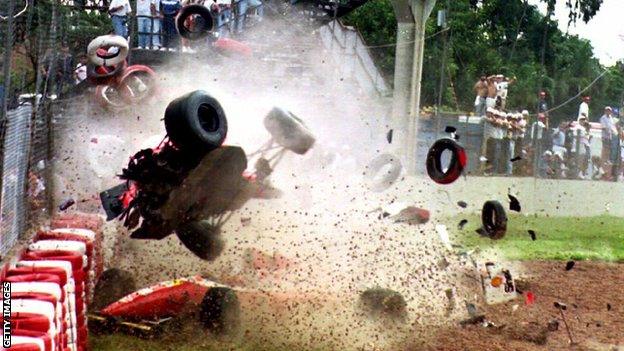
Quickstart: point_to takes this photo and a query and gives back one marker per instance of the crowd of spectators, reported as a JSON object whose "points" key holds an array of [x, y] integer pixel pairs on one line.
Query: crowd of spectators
{"points": [[514, 144], [156, 20]]}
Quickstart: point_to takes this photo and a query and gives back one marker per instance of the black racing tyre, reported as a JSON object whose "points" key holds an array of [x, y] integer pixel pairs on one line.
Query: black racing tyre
{"points": [[201, 238], [380, 182], [289, 131], [219, 311], [434, 163], [196, 121], [113, 284], [494, 219], [103, 78], [204, 22]]}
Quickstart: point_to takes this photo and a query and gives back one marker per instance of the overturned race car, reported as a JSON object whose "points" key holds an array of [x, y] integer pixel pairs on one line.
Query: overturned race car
{"points": [[190, 183]]}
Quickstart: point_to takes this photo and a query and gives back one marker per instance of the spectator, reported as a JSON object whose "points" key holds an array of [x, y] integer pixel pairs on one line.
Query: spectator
{"points": [[157, 18], [502, 127], [584, 137], [502, 87], [542, 106], [169, 10], [222, 11], [145, 10], [616, 156], [523, 121], [258, 7], [490, 100], [584, 108], [559, 139], [509, 137], [490, 133], [80, 73], [609, 130], [539, 140], [481, 89], [241, 10], [119, 10], [520, 131]]}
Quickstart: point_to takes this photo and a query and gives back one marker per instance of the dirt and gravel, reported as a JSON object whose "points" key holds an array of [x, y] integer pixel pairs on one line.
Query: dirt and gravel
{"points": [[301, 261], [592, 291]]}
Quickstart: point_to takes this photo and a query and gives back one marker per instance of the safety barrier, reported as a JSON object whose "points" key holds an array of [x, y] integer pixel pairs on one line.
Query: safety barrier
{"points": [[51, 283]]}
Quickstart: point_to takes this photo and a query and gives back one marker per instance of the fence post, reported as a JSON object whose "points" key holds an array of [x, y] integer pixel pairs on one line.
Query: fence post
{"points": [[8, 51]]}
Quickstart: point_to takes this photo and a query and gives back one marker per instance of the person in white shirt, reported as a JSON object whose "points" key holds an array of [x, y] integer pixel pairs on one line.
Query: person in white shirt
{"points": [[502, 88], [80, 73], [491, 147], [609, 132], [584, 108], [119, 10], [146, 13], [584, 138]]}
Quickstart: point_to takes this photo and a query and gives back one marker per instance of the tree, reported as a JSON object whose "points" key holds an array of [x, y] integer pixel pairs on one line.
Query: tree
{"points": [[510, 37]]}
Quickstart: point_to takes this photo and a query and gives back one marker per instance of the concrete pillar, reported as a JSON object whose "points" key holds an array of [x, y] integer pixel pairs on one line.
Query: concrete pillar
{"points": [[421, 9], [403, 63]]}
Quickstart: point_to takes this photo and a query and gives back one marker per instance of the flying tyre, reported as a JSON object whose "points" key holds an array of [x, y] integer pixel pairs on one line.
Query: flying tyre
{"points": [[137, 83], [456, 165], [289, 131], [113, 284], [201, 238], [197, 27], [494, 219], [220, 311], [99, 58], [110, 98], [196, 122], [100, 75], [382, 172]]}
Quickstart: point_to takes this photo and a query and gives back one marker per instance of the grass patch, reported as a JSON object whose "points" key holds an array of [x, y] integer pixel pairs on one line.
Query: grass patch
{"points": [[558, 238]]}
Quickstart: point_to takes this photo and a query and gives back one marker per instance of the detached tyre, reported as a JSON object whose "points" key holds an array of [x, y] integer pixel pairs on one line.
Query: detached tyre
{"points": [[100, 75], [104, 42], [137, 83], [456, 164], [382, 172], [196, 122], [219, 311], [197, 27], [201, 238], [494, 219], [289, 131], [110, 98], [113, 284]]}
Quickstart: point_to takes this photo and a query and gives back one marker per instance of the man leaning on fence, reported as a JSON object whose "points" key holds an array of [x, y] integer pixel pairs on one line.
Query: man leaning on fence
{"points": [[119, 11], [146, 16]]}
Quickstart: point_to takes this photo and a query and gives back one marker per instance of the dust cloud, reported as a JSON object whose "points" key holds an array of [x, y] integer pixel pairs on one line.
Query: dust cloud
{"points": [[326, 226]]}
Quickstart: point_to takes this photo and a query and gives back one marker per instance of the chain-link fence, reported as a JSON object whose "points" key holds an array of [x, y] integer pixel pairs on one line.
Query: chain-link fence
{"points": [[16, 147]]}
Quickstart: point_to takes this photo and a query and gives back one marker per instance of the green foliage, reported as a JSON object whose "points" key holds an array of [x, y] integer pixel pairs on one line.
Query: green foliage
{"points": [[558, 238], [33, 36], [500, 36]]}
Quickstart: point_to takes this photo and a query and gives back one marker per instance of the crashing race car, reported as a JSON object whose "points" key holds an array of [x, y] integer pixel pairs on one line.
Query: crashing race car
{"points": [[191, 183]]}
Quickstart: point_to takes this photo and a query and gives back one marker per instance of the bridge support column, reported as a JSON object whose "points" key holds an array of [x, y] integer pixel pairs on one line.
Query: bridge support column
{"points": [[411, 17]]}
